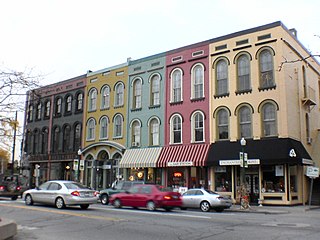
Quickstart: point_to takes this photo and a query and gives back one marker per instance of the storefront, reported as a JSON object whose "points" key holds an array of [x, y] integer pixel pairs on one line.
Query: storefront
{"points": [[275, 172], [183, 166], [140, 164]]}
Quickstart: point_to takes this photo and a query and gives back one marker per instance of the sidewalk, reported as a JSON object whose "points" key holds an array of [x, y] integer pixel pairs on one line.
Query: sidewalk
{"points": [[8, 229], [273, 209]]}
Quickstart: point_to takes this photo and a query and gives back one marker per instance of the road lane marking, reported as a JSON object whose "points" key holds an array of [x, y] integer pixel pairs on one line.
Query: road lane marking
{"points": [[64, 212]]}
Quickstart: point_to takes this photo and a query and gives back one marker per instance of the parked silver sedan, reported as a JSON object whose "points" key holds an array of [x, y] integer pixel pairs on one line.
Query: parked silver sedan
{"points": [[205, 200], [61, 193]]}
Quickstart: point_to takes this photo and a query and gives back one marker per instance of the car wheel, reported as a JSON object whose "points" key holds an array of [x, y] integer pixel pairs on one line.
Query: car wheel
{"points": [[14, 198], [59, 203], [151, 206], [105, 199], [117, 203], [84, 206], [28, 200], [205, 206]]}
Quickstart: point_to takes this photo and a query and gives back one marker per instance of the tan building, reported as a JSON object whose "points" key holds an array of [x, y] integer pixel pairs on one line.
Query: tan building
{"points": [[104, 134], [265, 89]]}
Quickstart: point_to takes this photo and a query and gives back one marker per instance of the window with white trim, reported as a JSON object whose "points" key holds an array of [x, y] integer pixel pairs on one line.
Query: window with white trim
{"points": [[118, 125], [104, 127], [154, 129], [91, 127], [243, 67], [135, 133], [155, 90], [137, 91], [176, 85], [176, 129], [119, 91], [92, 104], [105, 97], [197, 81], [221, 77], [197, 125]]}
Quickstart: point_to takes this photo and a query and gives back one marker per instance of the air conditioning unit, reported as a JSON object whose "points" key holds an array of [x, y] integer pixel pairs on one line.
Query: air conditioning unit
{"points": [[309, 140], [135, 144]]}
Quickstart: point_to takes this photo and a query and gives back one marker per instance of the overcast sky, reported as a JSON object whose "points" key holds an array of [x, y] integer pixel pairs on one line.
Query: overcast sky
{"points": [[62, 39]]}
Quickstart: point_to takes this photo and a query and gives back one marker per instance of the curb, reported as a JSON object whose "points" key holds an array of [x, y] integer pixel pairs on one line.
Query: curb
{"points": [[8, 228]]}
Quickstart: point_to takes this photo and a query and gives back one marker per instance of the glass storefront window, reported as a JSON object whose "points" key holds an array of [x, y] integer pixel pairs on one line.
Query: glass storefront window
{"points": [[273, 179], [293, 170], [222, 179]]}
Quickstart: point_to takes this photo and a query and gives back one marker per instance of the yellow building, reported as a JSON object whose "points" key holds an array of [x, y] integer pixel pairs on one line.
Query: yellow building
{"points": [[104, 134], [265, 89]]}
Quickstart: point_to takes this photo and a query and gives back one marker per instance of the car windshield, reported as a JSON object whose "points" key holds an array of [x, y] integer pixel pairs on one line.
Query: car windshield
{"points": [[75, 185]]}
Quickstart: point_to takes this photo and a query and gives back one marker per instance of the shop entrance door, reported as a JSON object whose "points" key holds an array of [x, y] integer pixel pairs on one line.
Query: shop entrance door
{"points": [[252, 181]]}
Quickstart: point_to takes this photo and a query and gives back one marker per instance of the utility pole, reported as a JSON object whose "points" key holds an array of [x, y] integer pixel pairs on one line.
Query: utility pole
{"points": [[14, 142]]}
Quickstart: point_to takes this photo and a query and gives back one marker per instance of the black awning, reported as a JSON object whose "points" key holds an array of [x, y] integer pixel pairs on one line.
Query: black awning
{"points": [[268, 150]]}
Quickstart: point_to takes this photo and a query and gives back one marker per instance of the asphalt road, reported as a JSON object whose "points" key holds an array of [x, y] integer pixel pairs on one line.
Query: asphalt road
{"points": [[106, 222]]}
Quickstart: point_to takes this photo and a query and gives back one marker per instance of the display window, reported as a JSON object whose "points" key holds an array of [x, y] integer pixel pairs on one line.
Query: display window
{"points": [[273, 179], [293, 171], [223, 179]]}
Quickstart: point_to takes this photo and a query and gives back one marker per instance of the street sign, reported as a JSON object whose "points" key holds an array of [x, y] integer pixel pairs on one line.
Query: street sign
{"points": [[76, 164], [312, 172]]}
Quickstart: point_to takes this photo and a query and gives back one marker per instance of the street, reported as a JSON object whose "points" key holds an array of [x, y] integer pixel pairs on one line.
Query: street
{"points": [[106, 222]]}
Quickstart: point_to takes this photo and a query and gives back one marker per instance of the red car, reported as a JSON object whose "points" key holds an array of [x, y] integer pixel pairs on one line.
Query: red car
{"points": [[147, 196]]}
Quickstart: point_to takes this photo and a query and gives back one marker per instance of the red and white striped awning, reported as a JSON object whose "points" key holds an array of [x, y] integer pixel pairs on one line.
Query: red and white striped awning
{"points": [[183, 155]]}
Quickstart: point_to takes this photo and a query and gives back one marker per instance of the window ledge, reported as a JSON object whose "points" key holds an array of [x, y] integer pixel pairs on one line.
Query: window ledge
{"points": [[136, 109], [119, 106], [176, 103], [247, 91], [197, 99], [267, 88], [222, 95], [154, 106]]}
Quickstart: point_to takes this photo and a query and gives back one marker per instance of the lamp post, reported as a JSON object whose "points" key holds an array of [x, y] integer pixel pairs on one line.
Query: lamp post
{"points": [[243, 165], [77, 165]]}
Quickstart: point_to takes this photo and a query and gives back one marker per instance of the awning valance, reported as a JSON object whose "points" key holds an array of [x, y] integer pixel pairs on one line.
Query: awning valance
{"points": [[269, 151], [140, 158], [183, 155]]}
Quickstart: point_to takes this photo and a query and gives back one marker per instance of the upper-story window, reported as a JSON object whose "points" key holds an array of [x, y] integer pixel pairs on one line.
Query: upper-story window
{"points": [[197, 125], [58, 106], [47, 108], [92, 103], [266, 69], [245, 122], [105, 97], [68, 104], [104, 127], [66, 138], [269, 120], [135, 133], [155, 90], [77, 137], [119, 94], [222, 119], [91, 128], [79, 101], [176, 86], [243, 72], [197, 81], [44, 140], [176, 129], [38, 114], [56, 139], [221, 77], [30, 113], [118, 126], [154, 129], [36, 137], [137, 92]]}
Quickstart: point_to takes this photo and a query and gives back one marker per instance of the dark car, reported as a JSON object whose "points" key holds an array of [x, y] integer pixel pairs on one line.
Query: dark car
{"points": [[148, 196], [117, 187], [12, 186]]}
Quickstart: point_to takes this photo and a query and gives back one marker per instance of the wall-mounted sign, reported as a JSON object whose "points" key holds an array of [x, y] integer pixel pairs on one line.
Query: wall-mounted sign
{"points": [[238, 162], [177, 174], [312, 172], [180, 164]]}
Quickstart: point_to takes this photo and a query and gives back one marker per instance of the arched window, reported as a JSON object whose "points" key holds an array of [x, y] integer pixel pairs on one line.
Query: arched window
{"points": [[197, 81], [197, 125], [176, 129], [245, 122], [77, 137], [118, 122], [243, 67], [154, 129], [105, 97], [44, 141], [137, 91], [104, 127], [221, 77], [155, 90], [38, 114], [79, 101], [92, 104], [91, 127], [135, 133], [222, 124], [119, 91], [66, 138], [269, 121], [69, 104], [176, 86], [56, 139], [58, 106], [30, 113], [266, 69], [47, 108], [36, 141]]}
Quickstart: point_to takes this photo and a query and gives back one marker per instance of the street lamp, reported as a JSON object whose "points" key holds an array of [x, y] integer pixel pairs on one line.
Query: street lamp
{"points": [[243, 165], [77, 165]]}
